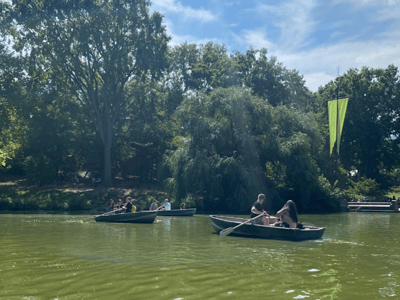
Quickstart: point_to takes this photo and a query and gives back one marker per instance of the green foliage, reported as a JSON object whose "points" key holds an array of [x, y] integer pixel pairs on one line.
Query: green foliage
{"points": [[49, 200], [2, 159], [232, 145], [12, 128], [325, 198], [365, 186], [92, 49], [40, 169], [96, 87], [371, 120]]}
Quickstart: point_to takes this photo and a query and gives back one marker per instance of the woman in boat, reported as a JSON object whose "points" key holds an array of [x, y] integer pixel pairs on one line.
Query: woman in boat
{"points": [[153, 205], [288, 215], [183, 206], [119, 206], [110, 205]]}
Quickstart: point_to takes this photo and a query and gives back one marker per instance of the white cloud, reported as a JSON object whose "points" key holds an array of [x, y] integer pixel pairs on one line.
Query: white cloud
{"points": [[315, 80], [296, 46], [320, 64], [256, 39], [177, 39], [363, 3], [379, 9], [185, 12], [296, 21]]}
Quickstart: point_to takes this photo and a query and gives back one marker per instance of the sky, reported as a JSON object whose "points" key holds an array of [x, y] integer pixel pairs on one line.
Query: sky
{"points": [[319, 39]]}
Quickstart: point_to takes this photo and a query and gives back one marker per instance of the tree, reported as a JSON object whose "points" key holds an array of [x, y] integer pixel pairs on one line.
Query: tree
{"points": [[230, 145], [269, 79], [202, 68], [371, 129], [94, 48], [12, 127]]}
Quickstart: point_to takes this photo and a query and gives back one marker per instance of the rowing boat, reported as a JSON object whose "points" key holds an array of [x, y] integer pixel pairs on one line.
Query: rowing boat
{"points": [[136, 217], [177, 212], [267, 232]]}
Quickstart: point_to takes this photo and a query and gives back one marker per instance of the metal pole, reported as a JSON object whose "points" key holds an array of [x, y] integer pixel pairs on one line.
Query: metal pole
{"points": [[337, 127]]}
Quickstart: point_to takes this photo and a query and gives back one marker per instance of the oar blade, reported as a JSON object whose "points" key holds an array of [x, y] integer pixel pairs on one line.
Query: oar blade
{"points": [[226, 231]]}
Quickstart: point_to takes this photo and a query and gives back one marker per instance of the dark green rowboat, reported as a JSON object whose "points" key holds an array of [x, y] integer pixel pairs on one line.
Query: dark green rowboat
{"points": [[177, 212], [136, 217], [267, 232]]}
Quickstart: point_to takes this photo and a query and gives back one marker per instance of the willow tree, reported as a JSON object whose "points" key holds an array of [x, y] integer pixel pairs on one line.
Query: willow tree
{"points": [[97, 47]]}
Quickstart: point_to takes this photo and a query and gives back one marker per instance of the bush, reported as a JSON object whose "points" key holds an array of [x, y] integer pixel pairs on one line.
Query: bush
{"points": [[41, 170], [326, 197], [365, 186]]}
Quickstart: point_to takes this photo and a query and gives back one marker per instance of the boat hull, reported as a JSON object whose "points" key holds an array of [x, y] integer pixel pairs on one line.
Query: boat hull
{"points": [[267, 232], [177, 212], [136, 217]]}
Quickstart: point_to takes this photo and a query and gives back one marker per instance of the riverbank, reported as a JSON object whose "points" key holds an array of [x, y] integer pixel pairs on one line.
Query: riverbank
{"points": [[18, 196]]}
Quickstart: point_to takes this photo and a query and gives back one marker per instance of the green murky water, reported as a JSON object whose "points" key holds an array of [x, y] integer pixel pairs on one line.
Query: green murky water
{"points": [[72, 257]]}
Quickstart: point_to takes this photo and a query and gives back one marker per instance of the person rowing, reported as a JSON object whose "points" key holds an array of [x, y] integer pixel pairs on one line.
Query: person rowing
{"points": [[257, 209], [257, 216], [166, 205]]}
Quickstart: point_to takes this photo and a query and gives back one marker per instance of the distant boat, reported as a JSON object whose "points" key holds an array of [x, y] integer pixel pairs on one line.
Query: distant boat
{"points": [[267, 232], [177, 212], [392, 206], [136, 217]]}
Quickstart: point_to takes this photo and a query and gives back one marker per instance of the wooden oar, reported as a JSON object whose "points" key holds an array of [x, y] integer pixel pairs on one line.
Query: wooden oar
{"points": [[110, 212], [229, 230]]}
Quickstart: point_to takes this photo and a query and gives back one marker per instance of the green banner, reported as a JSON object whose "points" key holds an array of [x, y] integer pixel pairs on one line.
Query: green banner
{"points": [[335, 131]]}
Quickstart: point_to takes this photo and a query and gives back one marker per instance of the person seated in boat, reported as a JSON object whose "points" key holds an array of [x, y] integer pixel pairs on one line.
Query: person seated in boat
{"points": [[153, 205], [129, 207], [166, 205], [257, 209], [110, 205], [288, 216], [183, 206], [118, 207]]}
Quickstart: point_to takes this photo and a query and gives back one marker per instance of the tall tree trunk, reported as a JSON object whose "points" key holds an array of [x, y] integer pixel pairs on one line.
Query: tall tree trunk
{"points": [[107, 163], [107, 138]]}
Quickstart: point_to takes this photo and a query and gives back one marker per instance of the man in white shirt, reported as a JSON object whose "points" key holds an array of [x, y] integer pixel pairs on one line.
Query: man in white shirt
{"points": [[167, 205]]}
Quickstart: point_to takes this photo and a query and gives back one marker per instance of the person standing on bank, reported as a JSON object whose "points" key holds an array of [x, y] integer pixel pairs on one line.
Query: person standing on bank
{"points": [[257, 209]]}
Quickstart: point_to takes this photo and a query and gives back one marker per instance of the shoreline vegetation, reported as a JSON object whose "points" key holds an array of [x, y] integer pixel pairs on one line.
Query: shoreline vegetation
{"points": [[18, 195], [211, 127]]}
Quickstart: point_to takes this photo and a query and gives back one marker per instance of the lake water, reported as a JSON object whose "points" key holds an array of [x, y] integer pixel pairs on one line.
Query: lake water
{"points": [[46, 256]]}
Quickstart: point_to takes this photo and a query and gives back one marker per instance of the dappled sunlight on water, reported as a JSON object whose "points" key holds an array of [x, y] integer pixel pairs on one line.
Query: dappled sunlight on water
{"points": [[73, 257]]}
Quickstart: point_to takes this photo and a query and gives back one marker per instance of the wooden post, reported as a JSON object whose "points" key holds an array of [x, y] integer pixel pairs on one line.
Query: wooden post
{"points": [[395, 205]]}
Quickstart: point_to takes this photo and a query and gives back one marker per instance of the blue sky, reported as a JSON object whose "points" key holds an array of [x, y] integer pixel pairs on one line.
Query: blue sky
{"points": [[314, 37]]}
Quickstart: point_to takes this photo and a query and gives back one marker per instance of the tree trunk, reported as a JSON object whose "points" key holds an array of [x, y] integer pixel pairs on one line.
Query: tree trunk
{"points": [[107, 163], [107, 138]]}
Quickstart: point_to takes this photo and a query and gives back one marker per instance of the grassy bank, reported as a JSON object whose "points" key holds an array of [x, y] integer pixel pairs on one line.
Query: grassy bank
{"points": [[17, 198]]}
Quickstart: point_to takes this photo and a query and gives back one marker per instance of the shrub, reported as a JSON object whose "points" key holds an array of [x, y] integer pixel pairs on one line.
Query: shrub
{"points": [[365, 186], [41, 170]]}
